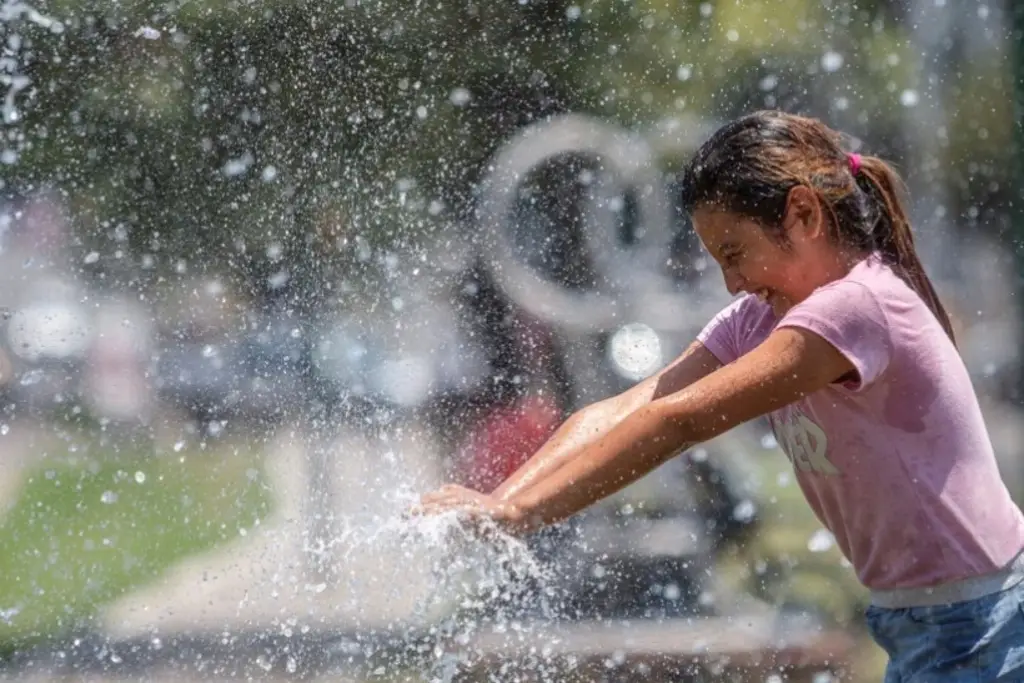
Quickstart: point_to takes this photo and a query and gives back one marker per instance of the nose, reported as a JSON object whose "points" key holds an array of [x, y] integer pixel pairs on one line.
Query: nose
{"points": [[734, 282]]}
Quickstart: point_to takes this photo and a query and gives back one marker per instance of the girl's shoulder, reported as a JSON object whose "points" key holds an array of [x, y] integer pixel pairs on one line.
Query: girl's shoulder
{"points": [[738, 328]]}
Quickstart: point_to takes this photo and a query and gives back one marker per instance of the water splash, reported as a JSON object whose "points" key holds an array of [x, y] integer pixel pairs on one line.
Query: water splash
{"points": [[483, 579]]}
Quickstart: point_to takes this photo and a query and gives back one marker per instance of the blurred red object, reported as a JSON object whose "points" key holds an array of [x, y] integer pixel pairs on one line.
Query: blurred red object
{"points": [[504, 440]]}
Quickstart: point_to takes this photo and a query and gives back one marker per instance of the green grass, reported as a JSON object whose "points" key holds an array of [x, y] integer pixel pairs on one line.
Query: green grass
{"points": [[83, 532]]}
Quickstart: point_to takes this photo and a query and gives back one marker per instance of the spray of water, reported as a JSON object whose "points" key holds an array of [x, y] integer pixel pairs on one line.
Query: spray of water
{"points": [[483, 579]]}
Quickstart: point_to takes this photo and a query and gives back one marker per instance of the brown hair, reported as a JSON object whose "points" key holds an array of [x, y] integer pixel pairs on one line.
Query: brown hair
{"points": [[749, 166]]}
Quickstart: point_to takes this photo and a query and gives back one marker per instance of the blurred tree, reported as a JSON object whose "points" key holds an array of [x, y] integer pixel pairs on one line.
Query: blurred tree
{"points": [[207, 131]]}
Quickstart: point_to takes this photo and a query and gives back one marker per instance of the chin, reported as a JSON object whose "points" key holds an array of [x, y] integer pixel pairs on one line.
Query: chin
{"points": [[779, 306]]}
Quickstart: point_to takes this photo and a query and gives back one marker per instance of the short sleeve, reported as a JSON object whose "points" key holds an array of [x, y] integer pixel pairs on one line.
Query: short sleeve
{"points": [[848, 316], [733, 332]]}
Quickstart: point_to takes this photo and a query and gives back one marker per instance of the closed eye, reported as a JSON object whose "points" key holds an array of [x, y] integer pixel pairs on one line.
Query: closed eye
{"points": [[731, 258]]}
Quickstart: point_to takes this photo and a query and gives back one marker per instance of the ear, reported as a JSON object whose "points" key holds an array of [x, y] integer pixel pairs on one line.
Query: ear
{"points": [[804, 217]]}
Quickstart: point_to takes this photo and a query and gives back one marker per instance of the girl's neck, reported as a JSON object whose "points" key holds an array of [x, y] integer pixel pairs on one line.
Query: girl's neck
{"points": [[843, 261]]}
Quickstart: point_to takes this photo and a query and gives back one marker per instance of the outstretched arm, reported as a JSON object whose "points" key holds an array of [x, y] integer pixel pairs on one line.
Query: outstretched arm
{"points": [[589, 425], [790, 364]]}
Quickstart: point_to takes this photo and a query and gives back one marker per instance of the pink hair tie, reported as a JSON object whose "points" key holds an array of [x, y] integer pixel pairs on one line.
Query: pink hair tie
{"points": [[854, 163]]}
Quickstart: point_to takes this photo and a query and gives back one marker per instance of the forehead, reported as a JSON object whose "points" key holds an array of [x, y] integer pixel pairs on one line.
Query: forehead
{"points": [[719, 229]]}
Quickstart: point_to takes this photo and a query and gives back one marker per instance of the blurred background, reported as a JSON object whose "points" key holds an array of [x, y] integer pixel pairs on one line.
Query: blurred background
{"points": [[272, 268]]}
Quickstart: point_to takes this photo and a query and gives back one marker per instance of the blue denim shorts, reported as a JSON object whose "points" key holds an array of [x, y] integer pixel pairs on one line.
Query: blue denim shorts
{"points": [[978, 640]]}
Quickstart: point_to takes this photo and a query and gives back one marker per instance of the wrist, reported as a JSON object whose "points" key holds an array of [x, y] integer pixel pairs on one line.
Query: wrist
{"points": [[518, 518]]}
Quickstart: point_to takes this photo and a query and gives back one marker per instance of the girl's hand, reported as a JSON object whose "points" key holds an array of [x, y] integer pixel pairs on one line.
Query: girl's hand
{"points": [[472, 506]]}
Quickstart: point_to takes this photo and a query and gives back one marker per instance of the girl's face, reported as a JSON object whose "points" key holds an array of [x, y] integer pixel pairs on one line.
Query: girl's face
{"points": [[781, 273]]}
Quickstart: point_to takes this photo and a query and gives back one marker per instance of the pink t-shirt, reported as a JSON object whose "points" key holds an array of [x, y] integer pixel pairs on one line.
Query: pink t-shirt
{"points": [[898, 465]]}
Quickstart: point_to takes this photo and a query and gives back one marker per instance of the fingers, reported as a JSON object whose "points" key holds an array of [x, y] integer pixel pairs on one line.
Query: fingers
{"points": [[475, 510], [450, 494], [442, 506], [446, 498], [434, 508]]}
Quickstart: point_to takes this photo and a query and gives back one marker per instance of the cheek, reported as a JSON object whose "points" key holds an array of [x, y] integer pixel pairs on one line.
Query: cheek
{"points": [[772, 270], [761, 266]]}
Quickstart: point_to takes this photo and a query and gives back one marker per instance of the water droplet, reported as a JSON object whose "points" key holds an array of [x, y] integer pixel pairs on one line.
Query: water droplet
{"points": [[278, 279], [460, 97], [909, 98], [178, 446], [108, 497], [831, 61], [140, 477], [820, 541], [31, 377], [147, 32], [4, 429], [236, 167], [92, 257], [744, 511], [768, 83]]}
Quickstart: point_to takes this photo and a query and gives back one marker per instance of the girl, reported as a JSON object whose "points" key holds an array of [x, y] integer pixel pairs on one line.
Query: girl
{"points": [[841, 340]]}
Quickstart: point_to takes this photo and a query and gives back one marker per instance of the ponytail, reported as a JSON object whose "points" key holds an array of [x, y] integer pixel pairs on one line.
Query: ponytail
{"points": [[894, 238]]}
